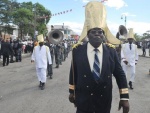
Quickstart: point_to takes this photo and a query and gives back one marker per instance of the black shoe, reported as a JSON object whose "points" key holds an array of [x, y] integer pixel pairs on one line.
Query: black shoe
{"points": [[50, 77], [11, 61], [130, 84], [43, 86], [57, 66], [40, 85]]}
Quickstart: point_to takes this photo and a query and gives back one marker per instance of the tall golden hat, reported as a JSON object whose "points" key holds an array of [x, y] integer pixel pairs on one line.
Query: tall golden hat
{"points": [[130, 34], [95, 16], [40, 38]]}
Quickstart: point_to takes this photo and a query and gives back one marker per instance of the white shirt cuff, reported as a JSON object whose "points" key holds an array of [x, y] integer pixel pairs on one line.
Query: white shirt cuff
{"points": [[124, 99]]}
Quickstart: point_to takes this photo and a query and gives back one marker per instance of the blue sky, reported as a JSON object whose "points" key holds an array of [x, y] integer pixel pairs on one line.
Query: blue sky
{"points": [[136, 11]]}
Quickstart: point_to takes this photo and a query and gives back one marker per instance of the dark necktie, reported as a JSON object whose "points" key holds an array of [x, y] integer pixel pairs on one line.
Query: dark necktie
{"points": [[130, 46], [96, 66]]}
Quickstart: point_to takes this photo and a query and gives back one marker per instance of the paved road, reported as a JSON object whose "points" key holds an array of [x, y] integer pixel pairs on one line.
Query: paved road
{"points": [[19, 92]]}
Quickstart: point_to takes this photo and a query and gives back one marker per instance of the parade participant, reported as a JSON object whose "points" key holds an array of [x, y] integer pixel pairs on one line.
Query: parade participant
{"points": [[40, 55], [144, 49], [52, 51], [49, 66], [0, 47], [93, 64], [6, 51], [57, 51], [129, 56], [65, 50]]}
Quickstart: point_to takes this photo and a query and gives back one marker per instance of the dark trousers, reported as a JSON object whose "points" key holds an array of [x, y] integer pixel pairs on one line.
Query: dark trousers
{"points": [[0, 53], [5, 57], [57, 59], [11, 58], [79, 111], [49, 69], [144, 52]]}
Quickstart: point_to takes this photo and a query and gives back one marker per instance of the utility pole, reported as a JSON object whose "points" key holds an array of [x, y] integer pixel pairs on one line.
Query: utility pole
{"points": [[34, 11]]}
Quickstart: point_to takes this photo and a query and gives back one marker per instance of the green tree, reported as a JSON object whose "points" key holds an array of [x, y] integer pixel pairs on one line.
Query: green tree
{"points": [[29, 20], [6, 9], [137, 37]]}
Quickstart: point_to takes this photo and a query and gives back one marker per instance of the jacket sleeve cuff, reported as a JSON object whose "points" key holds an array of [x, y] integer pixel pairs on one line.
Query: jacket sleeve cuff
{"points": [[124, 93]]}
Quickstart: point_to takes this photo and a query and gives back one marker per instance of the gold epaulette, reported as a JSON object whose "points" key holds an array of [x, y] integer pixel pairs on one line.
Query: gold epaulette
{"points": [[76, 45], [110, 45]]}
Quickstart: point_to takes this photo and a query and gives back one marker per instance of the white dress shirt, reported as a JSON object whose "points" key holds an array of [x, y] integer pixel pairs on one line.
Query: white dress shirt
{"points": [[91, 54], [41, 55]]}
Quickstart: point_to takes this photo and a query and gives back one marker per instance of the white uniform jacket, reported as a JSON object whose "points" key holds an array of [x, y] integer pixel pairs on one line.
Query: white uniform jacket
{"points": [[129, 55], [41, 55]]}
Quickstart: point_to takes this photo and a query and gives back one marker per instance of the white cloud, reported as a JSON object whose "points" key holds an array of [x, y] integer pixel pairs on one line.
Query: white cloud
{"points": [[116, 3]]}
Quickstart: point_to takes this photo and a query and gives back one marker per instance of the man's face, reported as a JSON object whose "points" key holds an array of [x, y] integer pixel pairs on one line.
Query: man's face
{"points": [[96, 37], [41, 43], [130, 40]]}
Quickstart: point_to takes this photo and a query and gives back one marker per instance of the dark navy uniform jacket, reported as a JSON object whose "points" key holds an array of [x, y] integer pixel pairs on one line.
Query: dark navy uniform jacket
{"points": [[92, 96]]}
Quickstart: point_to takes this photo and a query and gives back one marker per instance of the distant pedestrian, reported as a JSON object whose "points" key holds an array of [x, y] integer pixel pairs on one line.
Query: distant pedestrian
{"points": [[6, 51]]}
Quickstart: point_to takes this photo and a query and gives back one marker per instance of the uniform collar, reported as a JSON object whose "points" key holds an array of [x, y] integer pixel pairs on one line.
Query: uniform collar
{"points": [[91, 48]]}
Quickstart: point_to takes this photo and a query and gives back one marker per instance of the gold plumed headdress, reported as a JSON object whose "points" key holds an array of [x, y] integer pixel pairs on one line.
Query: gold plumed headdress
{"points": [[95, 16], [131, 34], [40, 38]]}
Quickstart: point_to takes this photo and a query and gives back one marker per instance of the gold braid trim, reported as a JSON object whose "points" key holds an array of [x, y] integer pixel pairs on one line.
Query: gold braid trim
{"points": [[76, 45], [124, 91], [110, 45]]}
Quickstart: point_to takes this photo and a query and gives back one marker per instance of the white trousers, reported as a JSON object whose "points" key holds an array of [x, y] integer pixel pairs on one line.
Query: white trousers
{"points": [[41, 74], [131, 70]]}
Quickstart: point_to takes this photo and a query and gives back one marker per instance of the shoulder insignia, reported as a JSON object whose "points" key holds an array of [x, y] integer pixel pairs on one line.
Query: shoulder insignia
{"points": [[76, 45], [110, 45]]}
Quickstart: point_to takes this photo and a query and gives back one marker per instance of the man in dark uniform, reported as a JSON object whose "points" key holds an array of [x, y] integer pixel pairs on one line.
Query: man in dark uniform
{"points": [[49, 66], [6, 51], [93, 64], [57, 50]]}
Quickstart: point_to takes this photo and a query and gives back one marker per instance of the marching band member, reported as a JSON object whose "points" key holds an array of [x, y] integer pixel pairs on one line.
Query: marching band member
{"points": [[93, 64], [129, 56], [40, 55]]}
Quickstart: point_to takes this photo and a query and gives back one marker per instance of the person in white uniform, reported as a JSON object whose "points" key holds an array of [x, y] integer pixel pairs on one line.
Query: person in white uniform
{"points": [[129, 56], [41, 55]]}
